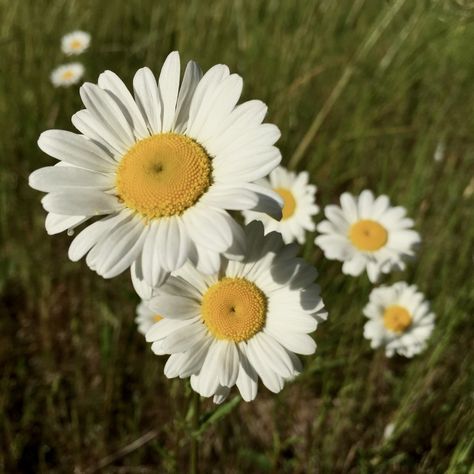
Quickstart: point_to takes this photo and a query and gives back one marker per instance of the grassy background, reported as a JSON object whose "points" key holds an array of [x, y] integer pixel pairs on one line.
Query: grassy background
{"points": [[78, 385]]}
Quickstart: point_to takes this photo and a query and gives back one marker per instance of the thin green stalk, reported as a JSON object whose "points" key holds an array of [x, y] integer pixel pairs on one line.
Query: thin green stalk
{"points": [[195, 403]]}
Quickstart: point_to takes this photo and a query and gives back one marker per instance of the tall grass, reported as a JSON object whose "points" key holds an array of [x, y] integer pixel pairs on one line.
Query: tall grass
{"points": [[80, 390]]}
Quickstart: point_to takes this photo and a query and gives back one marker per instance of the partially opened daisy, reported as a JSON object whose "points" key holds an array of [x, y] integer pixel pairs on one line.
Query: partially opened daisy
{"points": [[400, 319], [366, 233], [163, 166], [246, 321], [298, 205], [75, 42], [67, 74]]}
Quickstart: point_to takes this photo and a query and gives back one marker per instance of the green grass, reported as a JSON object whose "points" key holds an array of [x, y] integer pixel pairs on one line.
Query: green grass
{"points": [[78, 383]]}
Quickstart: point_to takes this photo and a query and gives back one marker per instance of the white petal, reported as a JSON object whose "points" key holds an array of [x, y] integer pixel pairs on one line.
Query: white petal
{"points": [[169, 85], [184, 338], [229, 367], [56, 223], [62, 178], [147, 96], [270, 379], [175, 307], [80, 203], [247, 380], [294, 342], [75, 150]]}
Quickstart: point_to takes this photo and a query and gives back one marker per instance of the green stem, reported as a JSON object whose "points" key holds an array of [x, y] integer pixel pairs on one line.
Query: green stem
{"points": [[194, 427]]}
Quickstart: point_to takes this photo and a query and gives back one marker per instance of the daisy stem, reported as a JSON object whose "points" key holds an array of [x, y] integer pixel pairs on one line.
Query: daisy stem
{"points": [[194, 427]]}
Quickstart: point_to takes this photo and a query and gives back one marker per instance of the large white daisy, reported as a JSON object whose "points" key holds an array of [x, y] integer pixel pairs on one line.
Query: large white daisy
{"points": [[75, 42], [367, 234], [67, 74], [298, 205], [164, 167], [400, 319], [246, 321]]}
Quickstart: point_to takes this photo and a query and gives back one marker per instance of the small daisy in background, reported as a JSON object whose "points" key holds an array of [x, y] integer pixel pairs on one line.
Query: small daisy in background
{"points": [[400, 319], [67, 74], [247, 321], [366, 233], [298, 205], [75, 43]]}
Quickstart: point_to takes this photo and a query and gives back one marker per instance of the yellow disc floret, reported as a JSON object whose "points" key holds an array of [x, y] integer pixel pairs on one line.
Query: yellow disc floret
{"points": [[396, 318], [368, 235], [234, 309], [163, 175], [157, 318], [289, 202]]}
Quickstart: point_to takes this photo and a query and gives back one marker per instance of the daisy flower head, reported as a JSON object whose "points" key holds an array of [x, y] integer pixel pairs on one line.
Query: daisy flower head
{"points": [[367, 233], [298, 205], [160, 170], [246, 321], [400, 319], [75, 43], [67, 74]]}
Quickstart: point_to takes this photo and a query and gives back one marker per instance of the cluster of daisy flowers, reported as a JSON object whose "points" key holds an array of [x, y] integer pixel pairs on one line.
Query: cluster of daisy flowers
{"points": [[72, 44], [155, 179]]}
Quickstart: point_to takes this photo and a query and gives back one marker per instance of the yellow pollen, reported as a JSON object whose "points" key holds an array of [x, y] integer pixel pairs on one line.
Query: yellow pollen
{"points": [[368, 235], [234, 309], [289, 202], [163, 175], [76, 44], [68, 75], [157, 318], [396, 318]]}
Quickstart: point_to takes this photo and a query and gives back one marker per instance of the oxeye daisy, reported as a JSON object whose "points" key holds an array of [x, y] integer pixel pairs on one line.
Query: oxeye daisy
{"points": [[244, 322], [75, 42], [67, 74], [400, 319], [298, 205], [164, 166], [366, 233]]}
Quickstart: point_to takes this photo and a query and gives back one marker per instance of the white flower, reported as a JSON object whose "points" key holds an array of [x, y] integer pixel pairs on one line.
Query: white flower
{"points": [[75, 42], [246, 321], [67, 74], [298, 205], [145, 317], [164, 167], [400, 319], [367, 234]]}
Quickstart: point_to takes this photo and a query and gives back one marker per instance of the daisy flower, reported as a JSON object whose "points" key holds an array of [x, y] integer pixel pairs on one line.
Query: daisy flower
{"points": [[75, 42], [67, 74], [367, 234], [298, 205], [163, 166], [400, 319], [244, 322]]}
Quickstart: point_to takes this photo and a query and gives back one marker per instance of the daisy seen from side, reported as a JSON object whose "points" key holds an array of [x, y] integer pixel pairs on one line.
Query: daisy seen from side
{"points": [[299, 205], [367, 234], [247, 321], [400, 319], [160, 169]]}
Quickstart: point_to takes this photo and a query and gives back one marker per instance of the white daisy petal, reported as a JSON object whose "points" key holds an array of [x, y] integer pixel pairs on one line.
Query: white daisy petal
{"points": [[76, 203], [169, 85], [56, 223], [147, 96]]}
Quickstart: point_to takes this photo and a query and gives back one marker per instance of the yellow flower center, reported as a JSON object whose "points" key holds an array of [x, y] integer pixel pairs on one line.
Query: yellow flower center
{"points": [[157, 318], [163, 175], [234, 309], [396, 318], [368, 235], [68, 75], [76, 44], [289, 202]]}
